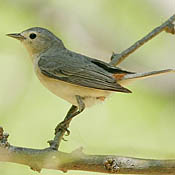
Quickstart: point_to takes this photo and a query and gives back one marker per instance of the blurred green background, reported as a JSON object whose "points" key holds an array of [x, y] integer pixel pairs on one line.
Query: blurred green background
{"points": [[141, 124]]}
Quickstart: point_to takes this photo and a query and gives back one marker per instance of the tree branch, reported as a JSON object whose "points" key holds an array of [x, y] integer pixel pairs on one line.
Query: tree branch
{"points": [[77, 160], [167, 26]]}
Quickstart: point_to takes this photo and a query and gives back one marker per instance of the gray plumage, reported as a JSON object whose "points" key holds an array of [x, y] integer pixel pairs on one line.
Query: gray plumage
{"points": [[80, 70], [57, 62], [76, 78], [52, 60]]}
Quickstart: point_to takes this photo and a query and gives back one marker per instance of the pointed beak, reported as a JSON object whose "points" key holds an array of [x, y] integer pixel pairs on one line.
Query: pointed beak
{"points": [[17, 36]]}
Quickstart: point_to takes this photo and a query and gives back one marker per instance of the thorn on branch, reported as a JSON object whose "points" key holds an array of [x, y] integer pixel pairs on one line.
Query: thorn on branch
{"points": [[78, 151], [50, 142], [114, 55], [4, 138]]}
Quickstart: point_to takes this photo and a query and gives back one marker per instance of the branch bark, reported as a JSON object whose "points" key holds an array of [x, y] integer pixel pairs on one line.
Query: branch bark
{"points": [[50, 158], [167, 26], [77, 160]]}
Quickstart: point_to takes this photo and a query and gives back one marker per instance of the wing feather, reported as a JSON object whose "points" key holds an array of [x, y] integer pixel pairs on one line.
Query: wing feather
{"points": [[79, 72]]}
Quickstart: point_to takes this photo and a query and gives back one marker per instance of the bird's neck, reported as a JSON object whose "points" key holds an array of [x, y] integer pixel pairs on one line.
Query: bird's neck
{"points": [[54, 48]]}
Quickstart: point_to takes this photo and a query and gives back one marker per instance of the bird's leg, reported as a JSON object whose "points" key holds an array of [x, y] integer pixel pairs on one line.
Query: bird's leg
{"points": [[62, 127], [74, 110]]}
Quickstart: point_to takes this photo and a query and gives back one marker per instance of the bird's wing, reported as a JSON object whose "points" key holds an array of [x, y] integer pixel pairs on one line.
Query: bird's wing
{"points": [[109, 68], [79, 71]]}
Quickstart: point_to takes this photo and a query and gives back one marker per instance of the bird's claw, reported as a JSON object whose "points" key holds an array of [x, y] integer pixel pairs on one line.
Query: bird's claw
{"points": [[62, 127], [64, 139], [67, 132]]}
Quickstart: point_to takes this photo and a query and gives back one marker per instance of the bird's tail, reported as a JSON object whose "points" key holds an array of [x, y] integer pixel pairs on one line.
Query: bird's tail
{"points": [[133, 76]]}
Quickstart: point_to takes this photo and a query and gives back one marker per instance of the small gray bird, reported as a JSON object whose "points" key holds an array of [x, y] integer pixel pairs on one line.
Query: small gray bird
{"points": [[80, 80]]}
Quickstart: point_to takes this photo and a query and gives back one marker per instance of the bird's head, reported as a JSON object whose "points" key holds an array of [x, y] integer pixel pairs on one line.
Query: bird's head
{"points": [[37, 40]]}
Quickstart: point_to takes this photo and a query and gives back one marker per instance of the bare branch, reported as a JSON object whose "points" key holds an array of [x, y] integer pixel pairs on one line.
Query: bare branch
{"points": [[167, 26], [51, 159]]}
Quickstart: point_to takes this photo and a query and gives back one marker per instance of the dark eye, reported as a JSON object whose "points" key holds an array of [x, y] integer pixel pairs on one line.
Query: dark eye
{"points": [[32, 35]]}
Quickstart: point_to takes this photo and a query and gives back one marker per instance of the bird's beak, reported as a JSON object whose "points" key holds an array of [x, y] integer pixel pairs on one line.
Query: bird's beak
{"points": [[17, 36]]}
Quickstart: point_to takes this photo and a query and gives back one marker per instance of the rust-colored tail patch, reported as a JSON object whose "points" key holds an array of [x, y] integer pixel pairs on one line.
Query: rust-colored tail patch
{"points": [[118, 76], [102, 98]]}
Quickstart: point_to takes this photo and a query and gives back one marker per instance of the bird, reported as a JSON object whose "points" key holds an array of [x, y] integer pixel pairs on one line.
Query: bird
{"points": [[81, 80]]}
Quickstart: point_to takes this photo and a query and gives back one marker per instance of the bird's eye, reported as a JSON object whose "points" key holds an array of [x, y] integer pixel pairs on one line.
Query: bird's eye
{"points": [[32, 35]]}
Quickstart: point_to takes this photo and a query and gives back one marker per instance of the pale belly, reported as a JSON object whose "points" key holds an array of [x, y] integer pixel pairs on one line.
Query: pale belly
{"points": [[68, 91]]}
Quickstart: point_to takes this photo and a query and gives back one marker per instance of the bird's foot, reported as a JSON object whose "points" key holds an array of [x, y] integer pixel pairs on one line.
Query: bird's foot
{"points": [[63, 127]]}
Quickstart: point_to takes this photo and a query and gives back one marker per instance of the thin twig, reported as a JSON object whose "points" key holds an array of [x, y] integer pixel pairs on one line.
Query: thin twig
{"points": [[167, 26]]}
